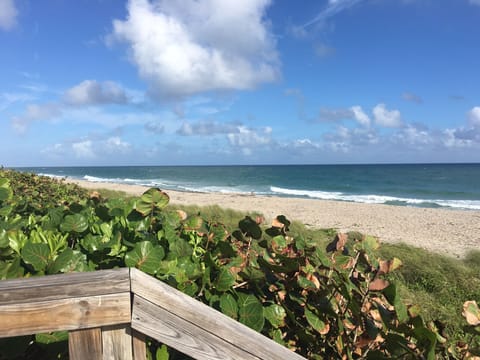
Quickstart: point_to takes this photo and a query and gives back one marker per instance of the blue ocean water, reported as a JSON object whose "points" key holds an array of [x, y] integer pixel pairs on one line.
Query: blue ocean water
{"points": [[421, 185]]}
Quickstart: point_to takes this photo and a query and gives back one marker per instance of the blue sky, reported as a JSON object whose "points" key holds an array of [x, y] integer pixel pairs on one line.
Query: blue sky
{"points": [[178, 82]]}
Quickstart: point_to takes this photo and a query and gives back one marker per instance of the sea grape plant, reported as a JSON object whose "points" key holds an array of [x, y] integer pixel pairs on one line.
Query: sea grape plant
{"points": [[336, 302]]}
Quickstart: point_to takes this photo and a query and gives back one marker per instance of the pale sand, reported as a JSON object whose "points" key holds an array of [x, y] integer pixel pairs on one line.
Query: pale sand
{"points": [[450, 232]]}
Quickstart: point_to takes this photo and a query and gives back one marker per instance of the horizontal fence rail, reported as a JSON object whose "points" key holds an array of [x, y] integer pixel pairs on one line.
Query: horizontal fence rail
{"points": [[108, 313]]}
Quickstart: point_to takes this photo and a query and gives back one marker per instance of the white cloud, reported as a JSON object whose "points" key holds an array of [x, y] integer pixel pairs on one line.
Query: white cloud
{"points": [[385, 117], [475, 2], [8, 14], [115, 144], [91, 92], [360, 115], [248, 139], [83, 149], [188, 47], [414, 136], [474, 115]]}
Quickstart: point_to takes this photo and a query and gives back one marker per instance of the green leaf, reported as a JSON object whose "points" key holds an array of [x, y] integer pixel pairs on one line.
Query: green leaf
{"points": [[145, 257], [250, 227], [162, 353], [181, 248], [50, 338], [392, 295], [316, 323], [11, 269], [250, 312], [193, 223], [225, 280], [69, 261], [74, 223], [275, 314], [151, 200], [37, 255], [6, 192], [229, 306]]}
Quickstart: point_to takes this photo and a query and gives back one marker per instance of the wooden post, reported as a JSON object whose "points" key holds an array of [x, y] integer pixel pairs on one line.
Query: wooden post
{"points": [[85, 344], [117, 342]]}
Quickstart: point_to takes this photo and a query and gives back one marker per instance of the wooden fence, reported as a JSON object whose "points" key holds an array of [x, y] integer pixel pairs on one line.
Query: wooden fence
{"points": [[108, 313]]}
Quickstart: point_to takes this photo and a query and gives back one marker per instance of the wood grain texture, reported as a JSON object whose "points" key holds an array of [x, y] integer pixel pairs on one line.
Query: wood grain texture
{"points": [[139, 345], [85, 344], [62, 286], [181, 334], [204, 317], [64, 314], [117, 342]]}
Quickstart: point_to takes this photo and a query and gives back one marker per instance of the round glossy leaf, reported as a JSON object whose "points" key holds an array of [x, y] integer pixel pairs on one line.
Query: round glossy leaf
{"points": [[36, 255], [225, 280], [250, 312], [229, 306], [275, 314], [74, 223], [152, 199], [145, 257], [250, 227]]}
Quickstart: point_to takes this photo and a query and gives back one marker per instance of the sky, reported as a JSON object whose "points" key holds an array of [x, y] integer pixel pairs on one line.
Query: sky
{"points": [[225, 82]]}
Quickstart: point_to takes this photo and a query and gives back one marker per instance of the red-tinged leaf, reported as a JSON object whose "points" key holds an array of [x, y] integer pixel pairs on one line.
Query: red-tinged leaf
{"points": [[378, 285]]}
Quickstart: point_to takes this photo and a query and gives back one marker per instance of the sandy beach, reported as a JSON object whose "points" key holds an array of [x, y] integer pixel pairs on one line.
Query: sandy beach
{"points": [[450, 232]]}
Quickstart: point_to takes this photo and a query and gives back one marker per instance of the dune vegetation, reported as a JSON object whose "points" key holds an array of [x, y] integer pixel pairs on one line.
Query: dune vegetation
{"points": [[322, 294]]}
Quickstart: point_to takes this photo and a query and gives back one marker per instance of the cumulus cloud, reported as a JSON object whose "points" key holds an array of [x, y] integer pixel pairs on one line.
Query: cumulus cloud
{"points": [[414, 136], [188, 47], [83, 149], [247, 139], [92, 92], [360, 115], [474, 116], [412, 98], [387, 118], [8, 14]]}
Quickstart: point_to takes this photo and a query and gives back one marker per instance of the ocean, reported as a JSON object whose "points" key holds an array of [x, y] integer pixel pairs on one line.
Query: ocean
{"points": [[422, 185]]}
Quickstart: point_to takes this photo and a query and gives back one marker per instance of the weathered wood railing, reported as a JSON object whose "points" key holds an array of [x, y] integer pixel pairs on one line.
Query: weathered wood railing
{"points": [[108, 314]]}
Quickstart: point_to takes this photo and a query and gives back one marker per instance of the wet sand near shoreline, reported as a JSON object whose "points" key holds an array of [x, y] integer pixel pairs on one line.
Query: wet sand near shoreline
{"points": [[449, 232]]}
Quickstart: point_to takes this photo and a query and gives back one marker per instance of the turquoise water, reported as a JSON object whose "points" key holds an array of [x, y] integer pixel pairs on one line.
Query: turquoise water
{"points": [[422, 185]]}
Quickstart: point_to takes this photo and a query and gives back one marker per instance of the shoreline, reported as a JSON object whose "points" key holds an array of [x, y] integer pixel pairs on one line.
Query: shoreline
{"points": [[446, 231]]}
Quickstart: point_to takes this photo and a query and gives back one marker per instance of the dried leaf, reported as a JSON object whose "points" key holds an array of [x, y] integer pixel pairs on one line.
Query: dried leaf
{"points": [[389, 266], [182, 215], [277, 224], [341, 240], [378, 285], [471, 312]]}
